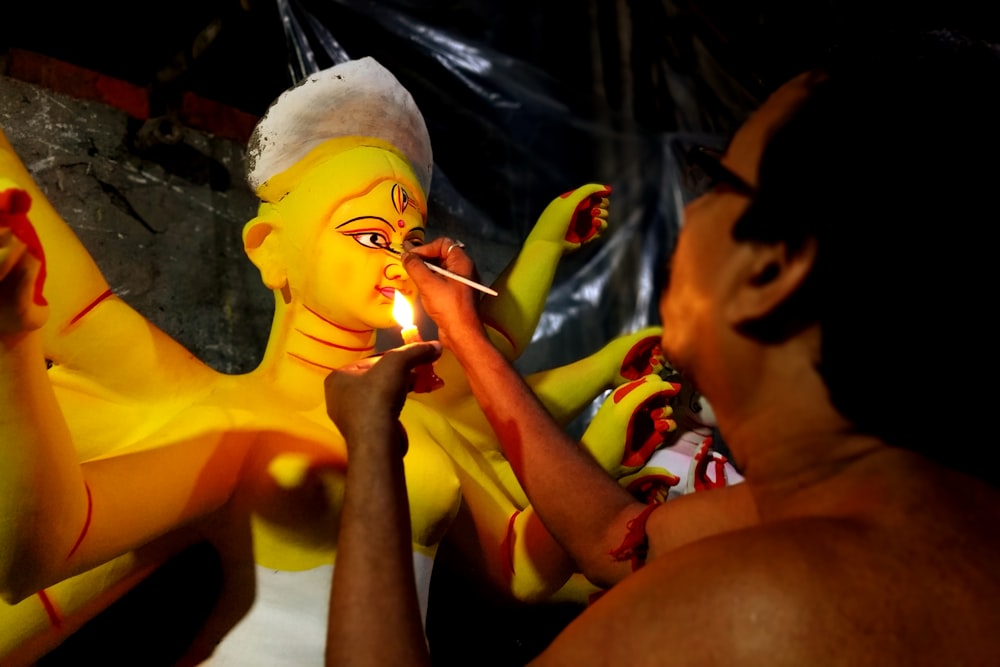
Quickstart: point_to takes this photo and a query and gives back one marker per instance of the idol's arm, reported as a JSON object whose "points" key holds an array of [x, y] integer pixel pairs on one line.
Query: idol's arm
{"points": [[74, 281], [496, 532], [61, 518], [569, 221], [58, 518], [567, 390], [42, 492], [41, 486], [89, 329]]}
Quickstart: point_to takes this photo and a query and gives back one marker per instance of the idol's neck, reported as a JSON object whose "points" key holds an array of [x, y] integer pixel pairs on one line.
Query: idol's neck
{"points": [[304, 347]]}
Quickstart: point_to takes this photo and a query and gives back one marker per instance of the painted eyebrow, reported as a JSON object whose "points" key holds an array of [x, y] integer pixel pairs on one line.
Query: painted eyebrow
{"points": [[365, 217]]}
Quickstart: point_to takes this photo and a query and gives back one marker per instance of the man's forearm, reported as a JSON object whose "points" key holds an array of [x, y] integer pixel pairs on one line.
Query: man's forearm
{"points": [[374, 612], [580, 504]]}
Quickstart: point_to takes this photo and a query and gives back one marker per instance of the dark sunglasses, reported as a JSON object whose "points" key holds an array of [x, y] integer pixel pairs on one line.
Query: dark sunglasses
{"points": [[701, 170]]}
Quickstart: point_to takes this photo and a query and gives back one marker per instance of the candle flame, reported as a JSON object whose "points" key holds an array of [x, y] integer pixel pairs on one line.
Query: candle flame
{"points": [[402, 310]]}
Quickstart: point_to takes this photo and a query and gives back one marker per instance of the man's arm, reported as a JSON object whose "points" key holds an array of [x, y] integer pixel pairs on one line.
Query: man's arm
{"points": [[579, 503], [583, 506], [374, 612]]}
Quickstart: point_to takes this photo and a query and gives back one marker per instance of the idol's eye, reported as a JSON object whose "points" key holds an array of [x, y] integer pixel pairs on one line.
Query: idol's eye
{"points": [[415, 240], [370, 239]]}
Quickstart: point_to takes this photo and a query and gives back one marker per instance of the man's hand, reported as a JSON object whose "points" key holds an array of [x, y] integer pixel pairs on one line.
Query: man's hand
{"points": [[452, 305], [364, 397]]}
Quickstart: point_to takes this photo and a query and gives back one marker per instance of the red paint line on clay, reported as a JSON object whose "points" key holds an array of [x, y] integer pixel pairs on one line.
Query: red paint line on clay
{"points": [[334, 324], [55, 618], [86, 524], [367, 348], [93, 304]]}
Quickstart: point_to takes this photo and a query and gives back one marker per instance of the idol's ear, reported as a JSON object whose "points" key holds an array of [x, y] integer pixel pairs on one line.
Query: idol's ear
{"points": [[768, 274], [262, 243]]}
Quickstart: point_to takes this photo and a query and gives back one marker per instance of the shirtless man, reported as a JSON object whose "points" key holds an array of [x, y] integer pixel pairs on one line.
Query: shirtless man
{"points": [[798, 299]]}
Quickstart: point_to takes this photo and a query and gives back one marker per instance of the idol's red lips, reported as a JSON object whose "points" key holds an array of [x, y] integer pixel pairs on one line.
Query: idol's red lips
{"points": [[387, 292]]}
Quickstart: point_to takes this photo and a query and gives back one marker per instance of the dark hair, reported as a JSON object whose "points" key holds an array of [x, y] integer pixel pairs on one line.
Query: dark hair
{"points": [[893, 165]]}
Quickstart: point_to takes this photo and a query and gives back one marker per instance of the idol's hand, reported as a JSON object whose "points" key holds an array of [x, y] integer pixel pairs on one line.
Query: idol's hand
{"points": [[366, 397], [452, 305], [631, 424], [574, 218], [640, 354], [22, 265]]}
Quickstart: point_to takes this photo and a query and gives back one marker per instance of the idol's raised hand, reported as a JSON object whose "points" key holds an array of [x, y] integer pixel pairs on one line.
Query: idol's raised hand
{"points": [[22, 264], [574, 218], [631, 424]]}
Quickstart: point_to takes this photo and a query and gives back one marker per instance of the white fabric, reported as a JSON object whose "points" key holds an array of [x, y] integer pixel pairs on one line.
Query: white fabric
{"points": [[680, 460], [286, 627], [354, 98]]}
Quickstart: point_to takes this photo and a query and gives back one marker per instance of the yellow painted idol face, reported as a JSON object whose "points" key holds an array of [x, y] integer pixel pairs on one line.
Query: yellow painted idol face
{"points": [[346, 222], [366, 238]]}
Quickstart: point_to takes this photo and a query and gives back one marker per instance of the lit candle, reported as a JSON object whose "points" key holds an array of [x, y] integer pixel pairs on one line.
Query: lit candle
{"points": [[424, 377], [403, 312]]}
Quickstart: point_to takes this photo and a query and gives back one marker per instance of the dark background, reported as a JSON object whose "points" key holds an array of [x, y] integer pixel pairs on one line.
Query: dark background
{"points": [[240, 53], [639, 57]]}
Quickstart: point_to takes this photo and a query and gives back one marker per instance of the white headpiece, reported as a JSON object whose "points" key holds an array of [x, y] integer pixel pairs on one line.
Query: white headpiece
{"points": [[354, 98]]}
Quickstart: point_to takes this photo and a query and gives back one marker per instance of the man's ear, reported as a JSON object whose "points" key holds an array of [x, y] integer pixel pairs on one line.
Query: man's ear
{"points": [[263, 246], [769, 274]]}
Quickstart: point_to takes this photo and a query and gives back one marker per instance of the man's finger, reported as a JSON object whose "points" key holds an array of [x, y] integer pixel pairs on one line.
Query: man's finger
{"points": [[414, 266], [414, 354], [444, 252]]}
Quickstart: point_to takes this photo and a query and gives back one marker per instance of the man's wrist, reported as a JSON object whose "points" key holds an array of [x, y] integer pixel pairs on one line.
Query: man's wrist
{"points": [[473, 347], [379, 434]]}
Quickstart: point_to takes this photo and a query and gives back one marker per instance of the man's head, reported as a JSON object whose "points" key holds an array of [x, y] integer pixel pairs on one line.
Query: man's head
{"points": [[880, 179]]}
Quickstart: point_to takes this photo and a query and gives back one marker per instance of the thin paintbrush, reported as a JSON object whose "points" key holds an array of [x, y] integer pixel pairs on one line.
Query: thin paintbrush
{"points": [[454, 276]]}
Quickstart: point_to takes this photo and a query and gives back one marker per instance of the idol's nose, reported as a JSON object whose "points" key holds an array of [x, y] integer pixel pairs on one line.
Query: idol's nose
{"points": [[394, 271]]}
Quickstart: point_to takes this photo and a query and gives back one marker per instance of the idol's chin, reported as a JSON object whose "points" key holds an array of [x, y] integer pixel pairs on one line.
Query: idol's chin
{"points": [[374, 316], [387, 322]]}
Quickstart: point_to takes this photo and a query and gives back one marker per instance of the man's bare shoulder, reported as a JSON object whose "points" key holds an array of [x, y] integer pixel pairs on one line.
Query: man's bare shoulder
{"points": [[794, 592]]}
